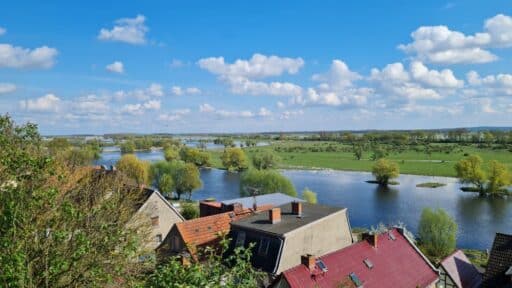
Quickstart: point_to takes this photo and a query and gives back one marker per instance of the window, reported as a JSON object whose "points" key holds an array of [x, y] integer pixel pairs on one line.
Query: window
{"points": [[321, 265], [158, 238], [240, 239], [263, 248], [368, 263], [355, 279], [155, 221]]}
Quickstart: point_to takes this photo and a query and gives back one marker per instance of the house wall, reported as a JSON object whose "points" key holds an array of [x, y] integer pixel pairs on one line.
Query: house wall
{"points": [[445, 279], [318, 238], [168, 248], [156, 206]]}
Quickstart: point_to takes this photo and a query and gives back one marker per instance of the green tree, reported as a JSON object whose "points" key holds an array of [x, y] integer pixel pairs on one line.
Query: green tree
{"points": [[171, 154], [134, 168], [498, 176], [265, 182], [384, 170], [195, 156], [76, 157], [166, 184], [469, 171], [358, 151], [190, 211], [57, 145], [437, 232], [127, 147], [309, 196], [378, 153], [265, 160], [234, 159], [186, 178]]}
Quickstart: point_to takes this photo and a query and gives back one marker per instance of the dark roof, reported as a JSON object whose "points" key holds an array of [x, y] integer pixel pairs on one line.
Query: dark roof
{"points": [[395, 263], [289, 221], [461, 270], [500, 260], [274, 199]]}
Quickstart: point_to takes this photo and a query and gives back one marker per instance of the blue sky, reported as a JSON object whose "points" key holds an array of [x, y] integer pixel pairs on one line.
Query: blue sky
{"points": [[249, 66]]}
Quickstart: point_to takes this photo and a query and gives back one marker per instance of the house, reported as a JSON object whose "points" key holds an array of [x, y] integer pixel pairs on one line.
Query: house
{"points": [[388, 259], [207, 208], [499, 267], [286, 232], [188, 236], [457, 271]]}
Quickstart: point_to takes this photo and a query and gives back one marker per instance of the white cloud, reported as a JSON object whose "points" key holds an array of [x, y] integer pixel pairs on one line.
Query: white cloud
{"points": [[46, 103], [439, 44], [289, 114], [6, 88], [18, 57], [2, 31], [280, 104], [174, 115], [116, 67], [154, 90], [141, 108], [206, 108], [178, 91], [264, 112], [338, 77], [90, 104], [222, 113], [241, 75], [489, 86], [434, 78], [128, 30]]}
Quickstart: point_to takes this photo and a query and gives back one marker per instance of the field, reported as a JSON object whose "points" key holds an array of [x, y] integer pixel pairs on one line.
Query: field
{"points": [[315, 155]]}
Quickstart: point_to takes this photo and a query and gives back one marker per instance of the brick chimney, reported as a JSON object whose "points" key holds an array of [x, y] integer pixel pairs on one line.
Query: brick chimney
{"points": [[274, 215], [297, 208], [309, 261], [372, 238]]}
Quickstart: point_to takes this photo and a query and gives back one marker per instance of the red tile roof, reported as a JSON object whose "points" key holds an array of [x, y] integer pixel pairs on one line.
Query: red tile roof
{"points": [[396, 263], [461, 270], [206, 230]]}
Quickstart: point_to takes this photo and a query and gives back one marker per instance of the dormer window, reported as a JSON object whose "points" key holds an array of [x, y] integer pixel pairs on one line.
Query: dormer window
{"points": [[155, 221]]}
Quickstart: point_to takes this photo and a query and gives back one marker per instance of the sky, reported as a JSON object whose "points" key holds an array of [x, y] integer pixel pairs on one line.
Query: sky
{"points": [[99, 67]]}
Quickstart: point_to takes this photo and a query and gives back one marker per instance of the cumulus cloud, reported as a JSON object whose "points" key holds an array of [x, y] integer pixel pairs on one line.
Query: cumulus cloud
{"points": [[439, 44], [499, 85], [46, 103], [178, 91], [140, 108], [174, 115], [154, 90], [222, 113], [18, 57], [90, 104], [116, 67], [127, 30], [206, 108], [290, 114], [244, 76], [6, 88]]}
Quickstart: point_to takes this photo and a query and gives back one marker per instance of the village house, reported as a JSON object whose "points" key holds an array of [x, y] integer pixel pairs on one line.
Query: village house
{"points": [[389, 259], [284, 233], [498, 273], [457, 271]]}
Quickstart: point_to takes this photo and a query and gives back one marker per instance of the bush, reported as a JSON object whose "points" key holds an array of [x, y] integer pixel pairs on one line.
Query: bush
{"points": [[309, 196], [384, 170], [265, 182], [190, 211]]}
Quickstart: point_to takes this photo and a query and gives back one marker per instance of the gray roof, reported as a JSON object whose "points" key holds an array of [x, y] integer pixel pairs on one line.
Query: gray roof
{"points": [[289, 221], [275, 199]]}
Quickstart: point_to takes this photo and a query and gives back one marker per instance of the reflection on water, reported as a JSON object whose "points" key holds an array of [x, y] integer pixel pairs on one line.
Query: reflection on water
{"points": [[478, 218]]}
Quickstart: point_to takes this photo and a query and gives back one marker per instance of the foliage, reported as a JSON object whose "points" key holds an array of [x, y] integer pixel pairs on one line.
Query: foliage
{"points": [[498, 177], [127, 146], [234, 159], [46, 233], [186, 178], [165, 184], [134, 168], [309, 196], [76, 157], [378, 153], [384, 170], [358, 151], [195, 156], [57, 145], [470, 171], [437, 232], [189, 211], [265, 182], [265, 160], [171, 153], [215, 271]]}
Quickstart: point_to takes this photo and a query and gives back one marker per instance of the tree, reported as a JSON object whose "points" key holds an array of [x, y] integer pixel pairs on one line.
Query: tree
{"points": [[234, 159], [186, 178], [437, 233], [127, 147], [195, 156], [76, 157], [134, 168], [265, 160], [498, 176], [378, 153], [309, 196], [165, 184], [57, 145], [358, 151], [265, 182], [171, 154], [60, 227], [384, 170], [470, 171], [190, 211]]}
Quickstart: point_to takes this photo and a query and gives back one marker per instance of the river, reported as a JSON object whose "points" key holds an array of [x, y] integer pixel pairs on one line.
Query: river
{"points": [[478, 218]]}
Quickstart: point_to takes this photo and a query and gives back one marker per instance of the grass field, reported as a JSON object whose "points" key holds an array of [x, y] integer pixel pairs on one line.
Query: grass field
{"points": [[410, 161]]}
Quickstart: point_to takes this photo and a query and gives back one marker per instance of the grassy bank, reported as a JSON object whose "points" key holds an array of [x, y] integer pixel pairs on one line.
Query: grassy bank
{"points": [[313, 155]]}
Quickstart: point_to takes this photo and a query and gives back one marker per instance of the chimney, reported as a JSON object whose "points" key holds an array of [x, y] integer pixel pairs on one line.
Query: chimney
{"points": [[309, 261], [372, 238], [297, 208], [274, 215]]}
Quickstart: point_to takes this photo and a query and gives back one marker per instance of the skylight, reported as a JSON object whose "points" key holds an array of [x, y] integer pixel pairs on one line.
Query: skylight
{"points": [[321, 265], [355, 279], [391, 236], [368, 263]]}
